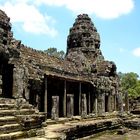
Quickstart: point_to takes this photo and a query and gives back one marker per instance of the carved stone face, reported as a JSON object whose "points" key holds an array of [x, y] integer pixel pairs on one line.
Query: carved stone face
{"points": [[83, 34]]}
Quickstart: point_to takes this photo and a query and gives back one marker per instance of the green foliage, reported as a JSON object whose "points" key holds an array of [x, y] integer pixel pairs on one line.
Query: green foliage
{"points": [[130, 83], [55, 53]]}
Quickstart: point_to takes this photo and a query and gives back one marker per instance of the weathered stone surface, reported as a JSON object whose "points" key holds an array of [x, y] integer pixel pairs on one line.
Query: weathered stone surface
{"points": [[25, 68], [84, 105], [55, 107], [134, 124], [70, 105]]}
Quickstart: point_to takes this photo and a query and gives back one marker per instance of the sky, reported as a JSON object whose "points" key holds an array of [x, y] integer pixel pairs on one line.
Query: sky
{"points": [[41, 24]]}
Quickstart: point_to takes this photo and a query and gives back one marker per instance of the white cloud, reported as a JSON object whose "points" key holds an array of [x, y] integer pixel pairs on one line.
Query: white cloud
{"points": [[27, 12], [106, 9], [136, 52], [30, 17]]}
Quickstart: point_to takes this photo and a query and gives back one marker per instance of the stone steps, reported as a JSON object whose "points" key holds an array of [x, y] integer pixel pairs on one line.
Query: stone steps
{"points": [[22, 135], [16, 112], [13, 135], [31, 121], [18, 121], [7, 120], [7, 106], [8, 128]]}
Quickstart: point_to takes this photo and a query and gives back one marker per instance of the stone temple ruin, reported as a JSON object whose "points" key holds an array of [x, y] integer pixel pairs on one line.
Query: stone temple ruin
{"points": [[82, 84]]}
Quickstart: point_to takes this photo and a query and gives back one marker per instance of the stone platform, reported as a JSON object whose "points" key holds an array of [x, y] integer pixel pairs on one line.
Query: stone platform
{"points": [[77, 127]]}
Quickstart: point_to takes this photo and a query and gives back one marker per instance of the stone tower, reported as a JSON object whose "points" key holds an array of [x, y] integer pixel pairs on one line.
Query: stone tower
{"points": [[83, 43], [5, 29], [83, 34]]}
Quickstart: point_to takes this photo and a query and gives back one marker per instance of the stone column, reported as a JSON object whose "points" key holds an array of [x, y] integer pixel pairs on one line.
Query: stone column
{"points": [[89, 103], [126, 102], [55, 108], [80, 98], [84, 106], [45, 94], [70, 105], [120, 103], [95, 107], [38, 102], [101, 104], [0, 84], [115, 108], [64, 100], [111, 103], [18, 82]]}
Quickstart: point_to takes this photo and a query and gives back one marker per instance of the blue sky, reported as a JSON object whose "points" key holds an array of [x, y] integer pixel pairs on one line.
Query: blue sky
{"points": [[41, 24]]}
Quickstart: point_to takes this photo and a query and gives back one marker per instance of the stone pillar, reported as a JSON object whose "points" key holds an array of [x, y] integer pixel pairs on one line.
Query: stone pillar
{"points": [[64, 99], [38, 102], [89, 103], [80, 98], [18, 82], [84, 106], [115, 108], [95, 107], [55, 108], [101, 104], [120, 103], [126, 102], [0, 84], [70, 105], [45, 94], [111, 103]]}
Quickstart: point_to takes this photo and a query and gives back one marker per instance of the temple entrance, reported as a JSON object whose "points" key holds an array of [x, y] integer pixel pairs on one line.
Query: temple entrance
{"points": [[72, 91], [106, 104], [93, 100], [85, 89], [55, 95], [7, 80], [35, 94]]}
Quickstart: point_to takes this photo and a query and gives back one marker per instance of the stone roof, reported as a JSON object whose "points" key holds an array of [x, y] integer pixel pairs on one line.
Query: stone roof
{"points": [[84, 60]]}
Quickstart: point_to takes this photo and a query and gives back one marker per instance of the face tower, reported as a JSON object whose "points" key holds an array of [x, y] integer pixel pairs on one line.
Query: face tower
{"points": [[83, 43]]}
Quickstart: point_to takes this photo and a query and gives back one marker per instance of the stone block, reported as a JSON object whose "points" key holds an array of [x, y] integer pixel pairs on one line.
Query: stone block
{"points": [[70, 105], [55, 108], [0, 91], [83, 105]]}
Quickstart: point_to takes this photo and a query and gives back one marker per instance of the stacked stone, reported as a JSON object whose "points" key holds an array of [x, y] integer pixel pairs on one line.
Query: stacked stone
{"points": [[83, 34], [83, 44], [5, 28]]}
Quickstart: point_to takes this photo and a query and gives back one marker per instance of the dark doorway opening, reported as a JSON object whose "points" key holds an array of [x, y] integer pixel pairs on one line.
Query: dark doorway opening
{"points": [[106, 103], [7, 79], [85, 89], [55, 88], [73, 88], [36, 94], [92, 98]]}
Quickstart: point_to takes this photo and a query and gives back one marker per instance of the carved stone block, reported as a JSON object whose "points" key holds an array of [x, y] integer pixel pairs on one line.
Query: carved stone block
{"points": [[70, 105], [55, 107], [83, 105]]}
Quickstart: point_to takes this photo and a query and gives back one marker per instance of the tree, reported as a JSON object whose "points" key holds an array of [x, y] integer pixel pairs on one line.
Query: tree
{"points": [[129, 80], [130, 83], [55, 53]]}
